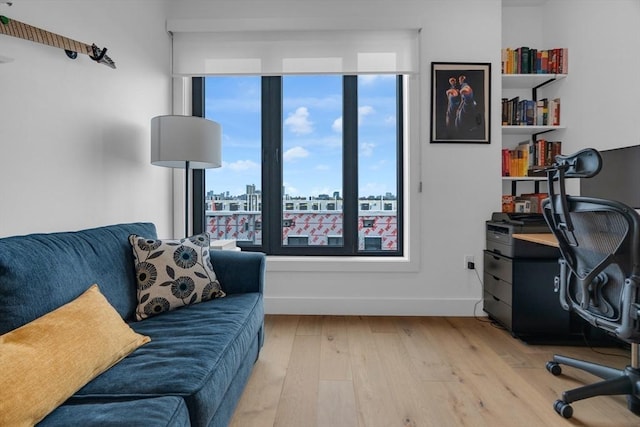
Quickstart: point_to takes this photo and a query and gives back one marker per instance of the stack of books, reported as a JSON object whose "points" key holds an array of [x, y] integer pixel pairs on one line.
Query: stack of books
{"points": [[529, 157], [526, 60], [527, 112]]}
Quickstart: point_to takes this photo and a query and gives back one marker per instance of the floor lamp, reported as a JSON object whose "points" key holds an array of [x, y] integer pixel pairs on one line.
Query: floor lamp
{"points": [[186, 142]]}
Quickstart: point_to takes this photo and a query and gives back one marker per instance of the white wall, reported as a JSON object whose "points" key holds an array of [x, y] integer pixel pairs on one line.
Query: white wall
{"points": [[461, 183], [599, 97], [74, 134]]}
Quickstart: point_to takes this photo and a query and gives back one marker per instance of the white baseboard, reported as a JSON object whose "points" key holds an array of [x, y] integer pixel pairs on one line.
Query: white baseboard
{"points": [[373, 306]]}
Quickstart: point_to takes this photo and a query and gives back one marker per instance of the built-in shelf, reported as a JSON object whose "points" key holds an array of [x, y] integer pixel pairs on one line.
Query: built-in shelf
{"points": [[528, 130], [524, 178], [522, 81]]}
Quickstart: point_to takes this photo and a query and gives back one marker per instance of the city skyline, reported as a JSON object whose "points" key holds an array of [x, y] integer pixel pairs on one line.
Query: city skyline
{"points": [[312, 134]]}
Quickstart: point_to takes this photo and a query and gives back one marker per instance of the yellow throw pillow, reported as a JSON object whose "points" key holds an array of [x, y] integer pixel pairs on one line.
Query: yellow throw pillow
{"points": [[47, 360]]}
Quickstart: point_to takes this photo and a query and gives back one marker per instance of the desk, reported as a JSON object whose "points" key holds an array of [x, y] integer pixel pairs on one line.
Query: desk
{"points": [[547, 239]]}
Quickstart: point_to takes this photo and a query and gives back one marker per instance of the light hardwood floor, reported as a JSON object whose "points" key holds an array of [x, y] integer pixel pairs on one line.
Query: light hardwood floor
{"points": [[331, 371]]}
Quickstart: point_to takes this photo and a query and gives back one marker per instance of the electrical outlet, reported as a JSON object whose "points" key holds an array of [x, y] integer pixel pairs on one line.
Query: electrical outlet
{"points": [[469, 262]]}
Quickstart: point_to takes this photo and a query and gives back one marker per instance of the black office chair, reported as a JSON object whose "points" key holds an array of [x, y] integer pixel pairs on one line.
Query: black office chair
{"points": [[599, 276]]}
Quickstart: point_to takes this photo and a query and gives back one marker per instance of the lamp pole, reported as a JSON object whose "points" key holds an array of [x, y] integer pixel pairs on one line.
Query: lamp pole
{"points": [[186, 199]]}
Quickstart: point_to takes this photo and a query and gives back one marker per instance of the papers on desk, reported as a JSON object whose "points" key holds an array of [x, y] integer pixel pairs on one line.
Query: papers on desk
{"points": [[224, 245]]}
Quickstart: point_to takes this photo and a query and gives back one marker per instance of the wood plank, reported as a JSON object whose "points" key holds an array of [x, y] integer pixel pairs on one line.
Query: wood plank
{"points": [[369, 381], [309, 325], [259, 402], [299, 399], [336, 404], [415, 371], [511, 401], [406, 391], [334, 350], [547, 239], [427, 362]]}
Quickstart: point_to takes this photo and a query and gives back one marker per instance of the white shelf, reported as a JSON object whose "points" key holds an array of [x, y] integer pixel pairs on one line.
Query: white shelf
{"points": [[528, 130], [524, 178], [528, 81]]}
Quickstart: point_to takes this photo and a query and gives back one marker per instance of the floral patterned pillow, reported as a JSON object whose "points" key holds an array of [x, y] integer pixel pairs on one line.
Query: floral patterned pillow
{"points": [[173, 273]]}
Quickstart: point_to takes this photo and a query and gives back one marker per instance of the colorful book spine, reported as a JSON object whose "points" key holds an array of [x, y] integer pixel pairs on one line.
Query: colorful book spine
{"points": [[526, 60]]}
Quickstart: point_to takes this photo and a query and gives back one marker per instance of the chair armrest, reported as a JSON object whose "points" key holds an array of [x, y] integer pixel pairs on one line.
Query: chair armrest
{"points": [[239, 272]]}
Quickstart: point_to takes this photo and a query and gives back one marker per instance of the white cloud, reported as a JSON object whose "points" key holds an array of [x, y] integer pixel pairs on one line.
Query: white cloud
{"points": [[241, 165], [298, 122], [380, 165], [322, 168], [373, 189], [295, 153], [364, 111], [390, 120], [366, 149], [290, 190], [337, 125], [369, 79]]}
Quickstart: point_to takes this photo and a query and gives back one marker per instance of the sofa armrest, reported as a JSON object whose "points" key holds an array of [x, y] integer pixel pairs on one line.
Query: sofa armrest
{"points": [[239, 272]]}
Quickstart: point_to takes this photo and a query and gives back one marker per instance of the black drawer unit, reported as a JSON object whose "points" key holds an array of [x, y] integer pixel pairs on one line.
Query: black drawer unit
{"points": [[519, 294], [518, 285]]}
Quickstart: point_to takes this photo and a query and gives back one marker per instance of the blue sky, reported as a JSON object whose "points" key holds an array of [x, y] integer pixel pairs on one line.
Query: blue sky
{"points": [[312, 134]]}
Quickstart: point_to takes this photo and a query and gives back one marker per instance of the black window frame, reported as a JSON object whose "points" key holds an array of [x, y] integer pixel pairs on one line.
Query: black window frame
{"points": [[272, 206]]}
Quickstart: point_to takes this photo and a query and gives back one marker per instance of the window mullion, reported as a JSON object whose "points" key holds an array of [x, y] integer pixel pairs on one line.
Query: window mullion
{"points": [[198, 175], [350, 164], [400, 162], [272, 164]]}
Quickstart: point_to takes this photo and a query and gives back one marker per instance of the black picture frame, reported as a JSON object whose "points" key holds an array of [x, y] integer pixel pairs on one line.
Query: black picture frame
{"points": [[460, 102]]}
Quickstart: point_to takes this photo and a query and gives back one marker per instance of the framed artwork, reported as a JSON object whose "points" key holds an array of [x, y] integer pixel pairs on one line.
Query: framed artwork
{"points": [[460, 102]]}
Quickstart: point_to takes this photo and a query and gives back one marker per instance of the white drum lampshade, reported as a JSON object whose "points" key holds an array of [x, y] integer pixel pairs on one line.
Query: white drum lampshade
{"points": [[186, 142]]}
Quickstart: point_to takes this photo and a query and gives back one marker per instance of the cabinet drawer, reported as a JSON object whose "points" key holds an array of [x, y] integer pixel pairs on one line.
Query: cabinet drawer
{"points": [[498, 288], [498, 310], [498, 266]]}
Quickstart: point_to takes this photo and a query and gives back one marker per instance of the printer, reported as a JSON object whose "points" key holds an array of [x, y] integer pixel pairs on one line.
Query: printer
{"points": [[503, 225]]}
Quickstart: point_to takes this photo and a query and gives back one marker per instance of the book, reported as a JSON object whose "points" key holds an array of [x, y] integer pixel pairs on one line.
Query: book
{"points": [[506, 158], [541, 152], [505, 111], [508, 203], [544, 62], [564, 60], [533, 55], [525, 148], [529, 118], [554, 112], [541, 112], [524, 60], [527, 60]]}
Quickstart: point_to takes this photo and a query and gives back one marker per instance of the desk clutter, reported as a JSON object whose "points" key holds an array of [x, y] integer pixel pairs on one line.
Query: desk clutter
{"points": [[524, 203]]}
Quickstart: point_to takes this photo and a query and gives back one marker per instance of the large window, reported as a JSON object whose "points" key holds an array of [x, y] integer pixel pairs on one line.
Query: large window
{"points": [[311, 163]]}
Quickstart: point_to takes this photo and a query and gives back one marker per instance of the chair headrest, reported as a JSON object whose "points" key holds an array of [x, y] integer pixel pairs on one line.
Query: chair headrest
{"points": [[582, 164]]}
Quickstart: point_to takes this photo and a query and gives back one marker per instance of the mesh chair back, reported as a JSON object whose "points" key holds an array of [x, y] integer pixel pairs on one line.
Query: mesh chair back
{"points": [[599, 265]]}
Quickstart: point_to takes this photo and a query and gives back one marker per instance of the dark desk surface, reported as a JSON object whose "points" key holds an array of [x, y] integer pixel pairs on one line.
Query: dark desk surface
{"points": [[547, 239]]}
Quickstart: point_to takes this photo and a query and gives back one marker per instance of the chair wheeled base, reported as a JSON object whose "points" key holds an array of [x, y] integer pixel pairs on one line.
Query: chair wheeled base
{"points": [[616, 382]]}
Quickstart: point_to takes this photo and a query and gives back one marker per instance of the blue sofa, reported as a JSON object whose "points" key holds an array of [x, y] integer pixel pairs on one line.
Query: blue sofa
{"points": [[200, 357]]}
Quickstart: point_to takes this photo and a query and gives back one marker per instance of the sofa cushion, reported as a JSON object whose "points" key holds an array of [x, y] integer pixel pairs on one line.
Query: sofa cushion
{"points": [[194, 353], [172, 273], [41, 272], [47, 360], [167, 411]]}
